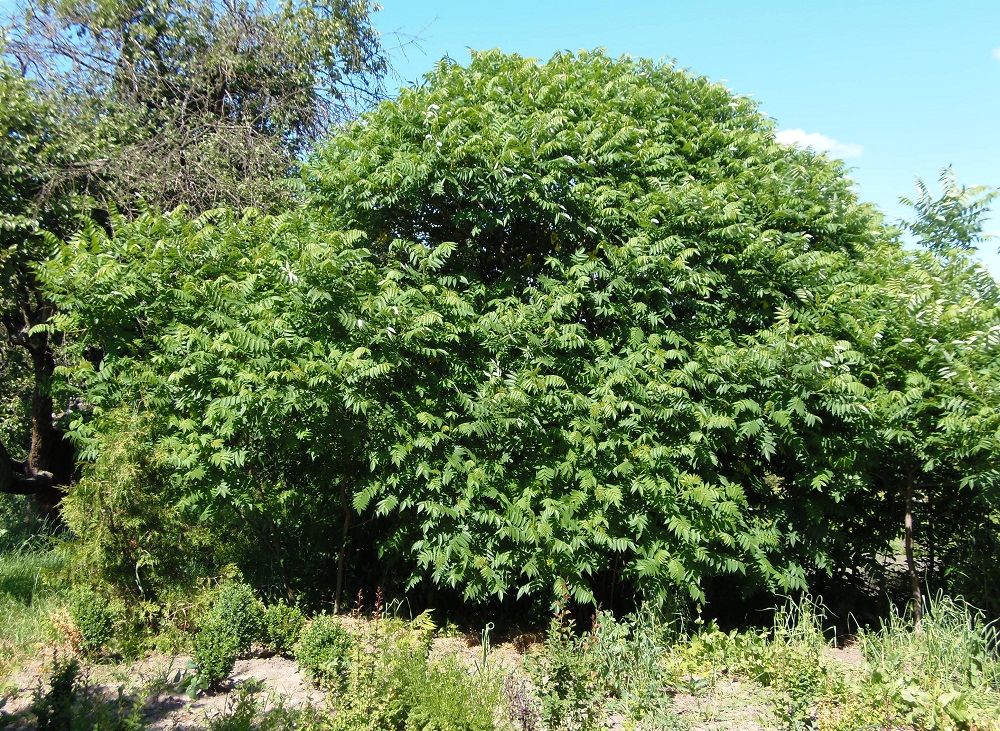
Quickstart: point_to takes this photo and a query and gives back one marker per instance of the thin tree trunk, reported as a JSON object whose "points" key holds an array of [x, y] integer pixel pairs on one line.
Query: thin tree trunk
{"points": [[911, 566], [342, 557]]}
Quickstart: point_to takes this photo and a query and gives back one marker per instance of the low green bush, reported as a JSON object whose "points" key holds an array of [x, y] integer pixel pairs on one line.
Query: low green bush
{"points": [[283, 625], [94, 619], [216, 649], [232, 624], [237, 607], [394, 685], [324, 651]]}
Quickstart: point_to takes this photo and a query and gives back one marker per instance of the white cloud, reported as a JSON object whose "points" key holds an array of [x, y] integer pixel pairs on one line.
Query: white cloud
{"points": [[996, 53], [819, 142]]}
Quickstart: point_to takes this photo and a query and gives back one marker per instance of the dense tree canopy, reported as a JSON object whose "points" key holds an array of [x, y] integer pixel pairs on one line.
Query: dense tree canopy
{"points": [[578, 327], [112, 105]]}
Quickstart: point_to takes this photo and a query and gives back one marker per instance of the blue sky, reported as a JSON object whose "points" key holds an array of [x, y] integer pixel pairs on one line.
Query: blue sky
{"points": [[897, 88]]}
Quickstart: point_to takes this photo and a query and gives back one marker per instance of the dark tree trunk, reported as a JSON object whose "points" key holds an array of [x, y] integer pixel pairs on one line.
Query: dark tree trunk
{"points": [[50, 456], [342, 556], [911, 565]]}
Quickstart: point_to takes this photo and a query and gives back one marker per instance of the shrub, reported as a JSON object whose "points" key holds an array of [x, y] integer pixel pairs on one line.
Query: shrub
{"points": [[282, 626], [236, 606], [94, 619], [233, 622], [216, 648], [124, 513], [324, 651]]}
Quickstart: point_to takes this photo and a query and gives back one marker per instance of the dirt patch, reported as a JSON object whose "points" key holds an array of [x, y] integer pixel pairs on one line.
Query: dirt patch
{"points": [[725, 705], [849, 656], [156, 683]]}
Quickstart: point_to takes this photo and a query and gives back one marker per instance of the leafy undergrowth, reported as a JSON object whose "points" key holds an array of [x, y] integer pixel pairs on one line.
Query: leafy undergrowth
{"points": [[644, 672]]}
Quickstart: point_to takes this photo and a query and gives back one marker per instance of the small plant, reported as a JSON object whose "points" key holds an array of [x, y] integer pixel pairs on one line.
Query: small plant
{"points": [[53, 709], [282, 626], [233, 622], [69, 704], [324, 651], [566, 678], [237, 607], [94, 619]]}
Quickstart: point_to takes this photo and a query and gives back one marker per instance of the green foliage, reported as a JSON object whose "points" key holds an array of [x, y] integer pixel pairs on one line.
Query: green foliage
{"points": [[122, 512], [233, 622], [628, 655], [216, 649], [954, 220], [946, 676], [617, 669], [323, 651], [567, 682], [237, 607], [529, 337], [229, 447], [393, 685], [33, 205], [94, 619], [282, 626], [15, 403]]}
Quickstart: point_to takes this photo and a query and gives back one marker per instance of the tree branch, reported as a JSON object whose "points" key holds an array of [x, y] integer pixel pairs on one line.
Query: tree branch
{"points": [[15, 478]]}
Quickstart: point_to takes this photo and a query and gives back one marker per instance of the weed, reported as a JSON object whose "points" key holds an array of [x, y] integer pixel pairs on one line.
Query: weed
{"points": [[393, 685], [70, 704], [247, 711], [567, 681], [944, 676]]}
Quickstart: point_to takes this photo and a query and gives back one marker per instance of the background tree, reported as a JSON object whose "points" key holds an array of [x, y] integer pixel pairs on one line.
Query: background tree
{"points": [[35, 144], [206, 103], [171, 103]]}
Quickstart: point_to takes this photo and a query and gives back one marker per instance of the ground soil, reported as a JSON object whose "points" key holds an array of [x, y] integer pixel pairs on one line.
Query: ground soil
{"points": [[725, 705]]}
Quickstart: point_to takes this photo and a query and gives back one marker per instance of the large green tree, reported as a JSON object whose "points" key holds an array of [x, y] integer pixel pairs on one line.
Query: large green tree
{"points": [[581, 327], [31, 205]]}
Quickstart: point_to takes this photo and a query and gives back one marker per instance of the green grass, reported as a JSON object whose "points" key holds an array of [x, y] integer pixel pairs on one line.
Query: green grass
{"points": [[31, 589], [946, 674]]}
